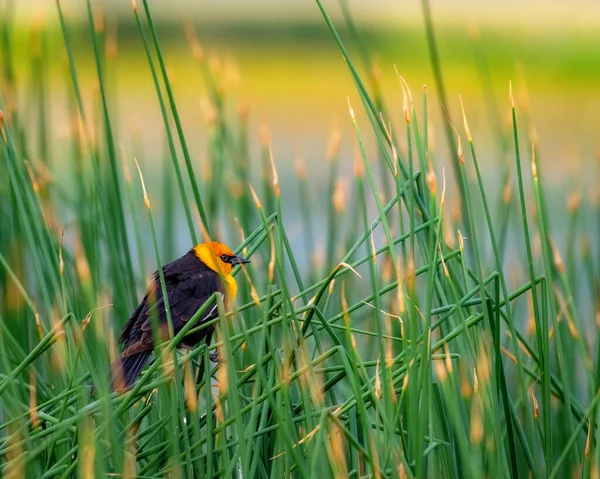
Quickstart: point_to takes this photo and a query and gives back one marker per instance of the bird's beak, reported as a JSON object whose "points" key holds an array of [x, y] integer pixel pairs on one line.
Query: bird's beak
{"points": [[239, 260]]}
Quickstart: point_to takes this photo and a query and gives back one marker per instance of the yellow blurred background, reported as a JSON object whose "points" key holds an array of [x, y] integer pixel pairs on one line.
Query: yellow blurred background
{"points": [[278, 59]]}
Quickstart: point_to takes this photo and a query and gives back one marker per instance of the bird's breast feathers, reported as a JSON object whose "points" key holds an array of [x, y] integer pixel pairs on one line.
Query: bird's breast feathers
{"points": [[231, 287]]}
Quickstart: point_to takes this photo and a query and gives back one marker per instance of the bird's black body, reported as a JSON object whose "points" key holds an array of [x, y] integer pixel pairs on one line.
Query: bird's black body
{"points": [[189, 284]]}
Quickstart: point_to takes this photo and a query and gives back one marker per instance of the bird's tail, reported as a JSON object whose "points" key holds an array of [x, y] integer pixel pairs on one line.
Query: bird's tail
{"points": [[125, 371]]}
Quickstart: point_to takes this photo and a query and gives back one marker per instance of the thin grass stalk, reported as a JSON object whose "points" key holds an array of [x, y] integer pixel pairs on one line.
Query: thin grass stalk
{"points": [[174, 112], [508, 307], [441, 91], [541, 323], [554, 318], [112, 155], [170, 141]]}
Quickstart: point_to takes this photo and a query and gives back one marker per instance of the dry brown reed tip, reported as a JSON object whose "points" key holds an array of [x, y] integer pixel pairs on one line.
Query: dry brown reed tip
{"points": [[466, 389], [111, 41], [133, 5], [243, 110], [146, 199], [387, 269], [465, 123], [273, 257], [87, 451], [430, 136], [409, 276], [522, 91], [476, 432], [530, 327], [14, 459], [508, 354], [300, 168], [33, 399], [255, 197], [557, 257], [407, 100], [536, 406], [88, 317], [190, 33], [235, 188], [38, 322], [574, 201], [456, 211], [459, 151], [443, 261], [395, 159], [344, 303], [35, 39], [191, 399], [586, 452], [448, 358], [61, 264], [473, 30], [461, 241], [335, 140], [533, 135], [375, 73], [358, 167], [510, 95], [98, 18], [401, 470], [443, 196], [431, 180], [386, 128], [373, 249], [347, 266], [265, 136], [405, 105], [507, 192], [405, 381], [351, 110], [440, 370], [215, 64], [336, 440], [274, 171], [483, 365], [222, 378], [377, 380], [126, 171], [585, 246], [448, 231], [339, 196], [209, 111], [59, 348], [310, 380], [533, 165], [34, 182], [231, 77]]}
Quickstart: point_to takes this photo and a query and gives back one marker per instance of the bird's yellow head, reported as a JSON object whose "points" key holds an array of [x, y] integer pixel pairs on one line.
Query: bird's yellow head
{"points": [[218, 257]]}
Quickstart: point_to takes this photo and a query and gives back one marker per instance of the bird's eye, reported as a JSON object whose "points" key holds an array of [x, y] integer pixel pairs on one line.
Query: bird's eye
{"points": [[224, 258]]}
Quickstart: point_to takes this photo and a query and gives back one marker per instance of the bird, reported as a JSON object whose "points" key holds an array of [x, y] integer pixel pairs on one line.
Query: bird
{"points": [[190, 281]]}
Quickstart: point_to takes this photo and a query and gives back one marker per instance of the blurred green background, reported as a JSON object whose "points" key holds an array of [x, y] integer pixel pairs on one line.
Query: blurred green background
{"points": [[277, 61]]}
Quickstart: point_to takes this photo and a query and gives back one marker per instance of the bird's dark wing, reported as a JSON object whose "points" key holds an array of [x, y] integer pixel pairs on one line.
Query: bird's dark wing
{"points": [[128, 329], [188, 287]]}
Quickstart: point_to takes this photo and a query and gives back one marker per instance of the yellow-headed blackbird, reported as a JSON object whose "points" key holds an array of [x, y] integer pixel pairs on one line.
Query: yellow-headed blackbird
{"points": [[190, 281]]}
